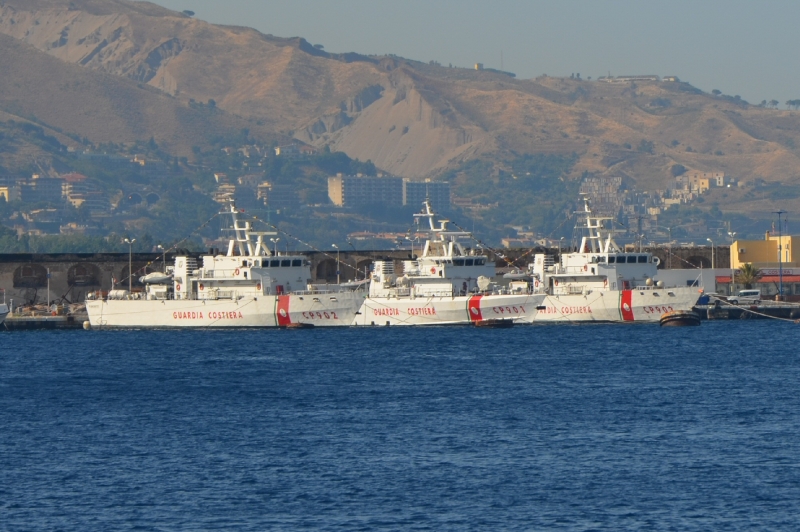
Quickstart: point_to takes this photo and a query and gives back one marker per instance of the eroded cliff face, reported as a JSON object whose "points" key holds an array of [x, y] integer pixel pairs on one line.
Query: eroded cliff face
{"points": [[410, 118]]}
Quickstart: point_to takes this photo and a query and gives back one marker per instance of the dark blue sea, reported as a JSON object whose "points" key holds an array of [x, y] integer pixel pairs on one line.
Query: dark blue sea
{"points": [[558, 427]]}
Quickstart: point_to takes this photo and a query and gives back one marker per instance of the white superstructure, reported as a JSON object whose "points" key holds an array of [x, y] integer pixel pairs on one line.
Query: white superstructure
{"points": [[445, 285], [602, 282], [3, 312], [249, 286]]}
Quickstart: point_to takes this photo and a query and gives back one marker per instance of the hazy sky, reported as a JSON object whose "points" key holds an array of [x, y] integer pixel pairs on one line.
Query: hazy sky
{"points": [[740, 47]]}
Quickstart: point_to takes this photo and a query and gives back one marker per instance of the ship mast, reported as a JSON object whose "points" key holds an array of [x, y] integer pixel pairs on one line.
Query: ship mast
{"points": [[593, 240]]}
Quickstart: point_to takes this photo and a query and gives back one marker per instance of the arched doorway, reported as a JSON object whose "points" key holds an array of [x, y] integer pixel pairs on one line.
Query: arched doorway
{"points": [[83, 274], [30, 276], [326, 271]]}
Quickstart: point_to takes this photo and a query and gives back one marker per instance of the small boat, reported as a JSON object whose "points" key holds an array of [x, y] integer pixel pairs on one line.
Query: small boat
{"points": [[494, 324], [516, 275], [156, 278], [299, 326], [679, 318]]}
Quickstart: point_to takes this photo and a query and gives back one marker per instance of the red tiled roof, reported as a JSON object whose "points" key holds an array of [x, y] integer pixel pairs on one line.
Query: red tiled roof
{"points": [[73, 177], [765, 279]]}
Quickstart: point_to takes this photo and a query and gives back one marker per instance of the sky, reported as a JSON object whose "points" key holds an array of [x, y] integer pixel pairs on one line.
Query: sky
{"points": [[744, 48]]}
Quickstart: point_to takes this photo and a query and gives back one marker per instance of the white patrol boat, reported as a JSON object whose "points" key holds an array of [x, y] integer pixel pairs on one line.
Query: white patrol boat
{"points": [[247, 287], [601, 282], [446, 285]]}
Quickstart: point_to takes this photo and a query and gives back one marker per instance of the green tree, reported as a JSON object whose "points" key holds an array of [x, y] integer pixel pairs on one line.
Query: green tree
{"points": [[748, 274], [646, 146]]}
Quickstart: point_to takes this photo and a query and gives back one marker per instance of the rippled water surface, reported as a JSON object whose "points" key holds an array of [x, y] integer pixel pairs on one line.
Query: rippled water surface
{"points": [[598, 427]]}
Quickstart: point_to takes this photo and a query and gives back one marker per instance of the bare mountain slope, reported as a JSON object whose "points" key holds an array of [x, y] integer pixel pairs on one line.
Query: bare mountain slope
{"points": [[410, 118], [99, 106]]}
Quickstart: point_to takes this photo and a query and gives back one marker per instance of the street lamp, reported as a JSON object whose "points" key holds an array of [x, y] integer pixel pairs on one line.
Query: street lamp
{"points": [[274, 246], [164, 256], [337, 262], [732, 234], [712, 253], [355, 259], [130, 264], [669, 248], [411, 240]]}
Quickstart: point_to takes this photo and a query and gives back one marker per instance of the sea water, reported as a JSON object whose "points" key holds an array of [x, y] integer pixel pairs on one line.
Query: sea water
{"points": [[557, 427]]}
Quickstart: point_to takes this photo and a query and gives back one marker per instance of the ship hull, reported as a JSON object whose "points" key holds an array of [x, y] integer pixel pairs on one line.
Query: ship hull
{"points": [[457, 310], [321, 310], [616, 305]]}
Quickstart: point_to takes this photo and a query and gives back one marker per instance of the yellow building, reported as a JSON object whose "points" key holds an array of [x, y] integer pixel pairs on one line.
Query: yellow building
{"points": [[764, 253]]}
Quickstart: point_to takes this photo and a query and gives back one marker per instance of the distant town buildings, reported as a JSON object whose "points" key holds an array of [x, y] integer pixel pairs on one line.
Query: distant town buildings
{"points": [[358, 190], [604, 193], [416, 192]]}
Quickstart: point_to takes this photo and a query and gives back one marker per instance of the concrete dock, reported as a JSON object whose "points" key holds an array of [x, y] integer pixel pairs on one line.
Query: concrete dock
{"points": [[18, 322]]}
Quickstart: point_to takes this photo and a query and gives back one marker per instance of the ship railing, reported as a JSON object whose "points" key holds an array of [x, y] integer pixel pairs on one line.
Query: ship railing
{"points": [[219, 294], [433, 293], [314, 292], [219, 274]]}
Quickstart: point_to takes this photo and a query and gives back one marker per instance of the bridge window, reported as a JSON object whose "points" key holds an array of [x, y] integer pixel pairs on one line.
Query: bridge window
{"points": [[274, 263], [631, 259], [642, 259], [458, 262], [297, 262], [286, 263], [612, 259], [468, 262]]}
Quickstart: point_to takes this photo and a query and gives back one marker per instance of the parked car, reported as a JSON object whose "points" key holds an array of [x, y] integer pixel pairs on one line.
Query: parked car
{"points": [[746, 297]]}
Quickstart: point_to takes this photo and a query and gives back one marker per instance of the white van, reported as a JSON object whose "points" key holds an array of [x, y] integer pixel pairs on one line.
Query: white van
{"points": [[746, 296]]}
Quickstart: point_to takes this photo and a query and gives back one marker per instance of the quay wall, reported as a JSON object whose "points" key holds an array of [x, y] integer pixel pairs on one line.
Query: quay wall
{"points": [[24, 276]]}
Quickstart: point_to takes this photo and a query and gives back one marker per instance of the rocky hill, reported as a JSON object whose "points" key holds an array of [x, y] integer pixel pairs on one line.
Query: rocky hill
{"points": [[138, 66]]}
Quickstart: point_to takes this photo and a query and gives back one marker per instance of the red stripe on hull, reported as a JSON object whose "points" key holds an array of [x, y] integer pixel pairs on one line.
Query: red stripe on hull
{"points": [[625, 305], [282, 312], [474, 308]]}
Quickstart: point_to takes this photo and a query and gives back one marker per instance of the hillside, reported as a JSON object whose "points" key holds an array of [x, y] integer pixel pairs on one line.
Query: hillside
{"points": [[131, 68], [101, 107]]}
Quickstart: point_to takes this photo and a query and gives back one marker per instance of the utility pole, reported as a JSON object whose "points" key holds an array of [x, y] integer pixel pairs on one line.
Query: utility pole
{"points": [[732, 234], [780, 256], [130, 264], [337, 263]]}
